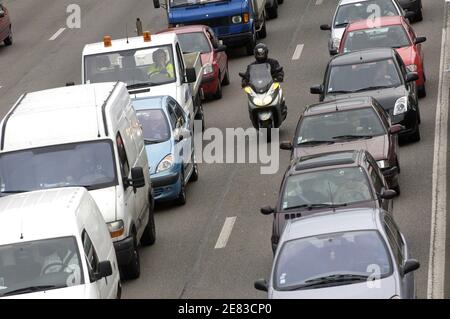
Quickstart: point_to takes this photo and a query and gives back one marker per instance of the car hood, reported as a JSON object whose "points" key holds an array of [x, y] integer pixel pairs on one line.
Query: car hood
{"points": [[387, 289], [207, 58], [86, 291], [378, 146], [386, 97], [105, 198], [205, 11], [156, 153], [408, 54]]}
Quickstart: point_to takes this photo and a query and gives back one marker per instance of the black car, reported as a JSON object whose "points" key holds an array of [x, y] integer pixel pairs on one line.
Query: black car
{"points": [[414, 6], [329, 181], [379, 73]]}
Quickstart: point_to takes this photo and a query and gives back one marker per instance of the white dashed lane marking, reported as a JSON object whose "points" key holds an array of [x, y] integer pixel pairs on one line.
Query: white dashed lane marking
{"points": [[298, 52], [57, 34], [225, 233]]}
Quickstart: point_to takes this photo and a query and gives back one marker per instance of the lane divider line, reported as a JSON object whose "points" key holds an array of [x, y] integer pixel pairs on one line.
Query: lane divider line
{"points": [[298, 52], [319, 2], [57, 34], [225, 233]]}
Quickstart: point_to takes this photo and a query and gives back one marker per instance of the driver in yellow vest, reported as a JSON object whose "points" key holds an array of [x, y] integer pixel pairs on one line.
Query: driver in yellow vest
{"points": [[160, 65]]}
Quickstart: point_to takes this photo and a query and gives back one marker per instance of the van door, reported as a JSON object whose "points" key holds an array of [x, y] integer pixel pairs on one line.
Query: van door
{"points": [[92, 261]]}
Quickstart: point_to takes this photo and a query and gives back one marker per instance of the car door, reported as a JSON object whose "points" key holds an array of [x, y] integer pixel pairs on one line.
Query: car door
{"points": [[92, 261], [379, 183], [182, 127]]}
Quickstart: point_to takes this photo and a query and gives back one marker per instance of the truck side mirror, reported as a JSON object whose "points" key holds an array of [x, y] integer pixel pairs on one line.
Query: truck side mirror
{"points": [[316, 89], [191, 75], [104, 270], [156, 4]]}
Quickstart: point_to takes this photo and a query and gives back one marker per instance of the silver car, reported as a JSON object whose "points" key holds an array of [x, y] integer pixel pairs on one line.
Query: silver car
{"points": [[356, 253], [352, 10]]}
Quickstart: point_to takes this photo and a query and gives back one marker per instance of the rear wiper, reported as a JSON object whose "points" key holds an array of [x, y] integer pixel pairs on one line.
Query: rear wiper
{"points": [[31, 289], [316, 206], [316, 142], [352, 137], [339, 278]]}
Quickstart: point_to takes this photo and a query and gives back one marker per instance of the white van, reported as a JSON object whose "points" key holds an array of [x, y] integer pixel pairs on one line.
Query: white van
{"points": [[89, 136], [55, 244]]}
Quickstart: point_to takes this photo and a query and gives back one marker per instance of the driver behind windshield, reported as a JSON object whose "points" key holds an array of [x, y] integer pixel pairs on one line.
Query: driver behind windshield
{"points": [[160, 65]]}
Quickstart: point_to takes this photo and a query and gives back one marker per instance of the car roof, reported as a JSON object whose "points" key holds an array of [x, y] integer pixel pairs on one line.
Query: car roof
{"points": [[339, 105], [40, 214], [184, 29], [353, 219], [363, 56], [380, 22], [325, 160], [149, 103]]}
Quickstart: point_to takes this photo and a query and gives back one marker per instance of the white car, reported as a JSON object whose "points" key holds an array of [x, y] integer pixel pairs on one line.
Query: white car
{"points": [[353, 10], [55, 244]]}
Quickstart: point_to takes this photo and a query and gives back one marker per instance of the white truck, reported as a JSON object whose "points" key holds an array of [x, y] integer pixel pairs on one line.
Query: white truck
{"points": [[136, 61]]}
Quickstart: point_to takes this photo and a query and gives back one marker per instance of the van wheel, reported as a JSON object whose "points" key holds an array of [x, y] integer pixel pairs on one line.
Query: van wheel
{"points": [[181, 199], [133, 269], [149, 236], [9, 40]]}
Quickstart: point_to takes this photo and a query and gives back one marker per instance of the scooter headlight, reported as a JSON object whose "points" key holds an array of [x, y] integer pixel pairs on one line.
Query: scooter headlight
{"points": [[401, 106], [258, 101], [264, 116]]}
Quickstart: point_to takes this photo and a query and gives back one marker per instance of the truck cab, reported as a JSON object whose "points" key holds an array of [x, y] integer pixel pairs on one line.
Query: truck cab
{"points": [[149, 65]]}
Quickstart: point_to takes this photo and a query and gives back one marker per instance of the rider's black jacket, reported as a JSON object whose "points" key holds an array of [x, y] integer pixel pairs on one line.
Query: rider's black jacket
{"points": [[277, 72]]}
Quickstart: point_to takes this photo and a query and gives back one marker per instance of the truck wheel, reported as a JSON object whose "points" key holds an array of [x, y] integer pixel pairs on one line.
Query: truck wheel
{"points": [[133, 269], [149, 236], [181, 199], [226, 78], [273, 11], [9, 40]]}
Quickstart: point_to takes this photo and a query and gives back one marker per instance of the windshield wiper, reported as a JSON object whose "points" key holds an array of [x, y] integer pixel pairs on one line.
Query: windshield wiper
{"points": [[341, 92], [340, 25], [338, 278], [14, 192], [352, 137], [140, 85], [31, 289], [377, 87], [316, 142], [317, 206]]}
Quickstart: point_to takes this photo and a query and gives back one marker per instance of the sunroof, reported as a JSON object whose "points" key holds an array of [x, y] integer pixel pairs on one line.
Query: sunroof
{"points": [[319, 160]]}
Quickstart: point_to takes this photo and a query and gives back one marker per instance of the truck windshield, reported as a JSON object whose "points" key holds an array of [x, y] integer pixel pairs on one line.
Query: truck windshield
{"points": [[136, 68], [87, 164], [182, 3], [39, 265]]}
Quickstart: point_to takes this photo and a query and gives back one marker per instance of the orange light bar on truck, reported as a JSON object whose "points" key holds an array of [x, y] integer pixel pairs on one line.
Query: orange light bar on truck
{"points": [[107, 42], [147, 36]]}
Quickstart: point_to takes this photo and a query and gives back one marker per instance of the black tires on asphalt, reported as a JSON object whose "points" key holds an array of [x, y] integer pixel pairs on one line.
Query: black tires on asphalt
{"points": [[149, 236], [133, 269], [181, 199], [9, 40], [272, 12]]}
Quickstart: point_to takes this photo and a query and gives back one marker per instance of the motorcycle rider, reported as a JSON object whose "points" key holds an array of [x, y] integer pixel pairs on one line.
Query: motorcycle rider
{"points": [[262, 56]]}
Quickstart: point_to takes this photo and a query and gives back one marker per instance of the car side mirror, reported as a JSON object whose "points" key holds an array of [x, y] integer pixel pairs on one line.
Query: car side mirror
{"points": [[411, 77], [156, 4], [396, 128], [409, 15], [410, 266], [137, 177], [388, 194], [267, 210], [191, 75], [104, 270], [316, 89], [390, 171], [420, 40], [334, 51], [325, 27], [287, 146], [221, 48], [261, 285]]}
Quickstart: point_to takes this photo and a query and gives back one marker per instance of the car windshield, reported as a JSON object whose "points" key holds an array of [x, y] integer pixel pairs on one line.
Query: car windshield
{"points": [[331, 260], [362, 122], [194, 42], [88, 164], [136, 68], [154, 125], [40, 265], [393, 36], [333, 186], [362, 10], [352, 78], [182, 3]]}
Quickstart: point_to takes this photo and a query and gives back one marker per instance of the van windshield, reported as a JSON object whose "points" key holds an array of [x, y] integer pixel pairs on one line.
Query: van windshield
{"points": [[86, 164], [40, 265]]}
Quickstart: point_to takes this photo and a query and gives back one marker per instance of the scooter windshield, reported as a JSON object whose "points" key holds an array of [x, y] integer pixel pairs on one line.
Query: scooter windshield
{"points": [[260, 77]]}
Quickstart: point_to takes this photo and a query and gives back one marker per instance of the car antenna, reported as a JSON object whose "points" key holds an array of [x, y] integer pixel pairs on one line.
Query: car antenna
{"points": [[96, 114]]}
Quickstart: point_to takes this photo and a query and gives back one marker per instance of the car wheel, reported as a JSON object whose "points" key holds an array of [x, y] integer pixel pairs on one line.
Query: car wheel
{"points": [[397, 189], [133, 269], [415, 136], [419, 14], [181, 199], [218, 94], [194, 175], [250, 47], [422, 92], [272, 12], [9, 40], [226, 78], [149, 236], [119, 291]]}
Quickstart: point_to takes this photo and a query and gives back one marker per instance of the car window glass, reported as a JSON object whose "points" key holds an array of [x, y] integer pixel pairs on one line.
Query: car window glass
{"points": [[90, 254], [179, 114], [155, 126], [393, 243], [123, 159], [194, 42], [362, 10], [395, 231]]}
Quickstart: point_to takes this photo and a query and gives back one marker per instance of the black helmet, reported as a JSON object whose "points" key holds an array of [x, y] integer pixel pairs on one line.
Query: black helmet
{"points": [[261, 52]]}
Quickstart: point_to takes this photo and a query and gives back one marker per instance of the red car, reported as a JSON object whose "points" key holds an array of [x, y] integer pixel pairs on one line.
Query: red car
{"points": [[199, 38], [394, 32], [5, 26]]}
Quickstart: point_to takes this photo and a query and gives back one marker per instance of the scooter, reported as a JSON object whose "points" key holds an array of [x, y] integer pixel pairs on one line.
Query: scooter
{"points": [[266, 104]]}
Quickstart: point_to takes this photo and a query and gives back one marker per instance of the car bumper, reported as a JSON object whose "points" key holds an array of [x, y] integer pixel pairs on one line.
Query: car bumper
{"points": [[124, 250], [166, 186], [409, 120], [238, 39]]}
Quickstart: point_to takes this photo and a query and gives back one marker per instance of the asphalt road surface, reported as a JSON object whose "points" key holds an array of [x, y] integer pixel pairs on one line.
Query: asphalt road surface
{"points": [[184, 262]]}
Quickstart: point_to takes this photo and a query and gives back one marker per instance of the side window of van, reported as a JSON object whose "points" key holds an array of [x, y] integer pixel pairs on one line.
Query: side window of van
{"points": [[123, 159], [90, 254]]}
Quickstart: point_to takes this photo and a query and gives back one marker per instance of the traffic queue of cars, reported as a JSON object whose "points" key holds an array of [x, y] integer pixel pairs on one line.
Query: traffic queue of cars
{"points": [[334, 235]]}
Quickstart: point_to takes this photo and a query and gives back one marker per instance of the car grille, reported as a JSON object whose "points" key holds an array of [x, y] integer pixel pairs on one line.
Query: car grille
{"points": [[213, 23]]}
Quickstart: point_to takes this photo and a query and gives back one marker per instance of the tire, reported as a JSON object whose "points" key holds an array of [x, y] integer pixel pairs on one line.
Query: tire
{"points": [[9, 40], [280, 1], [218, 94], [119, 291], [149, 236], [421, 91], [181, 199], [263, 33], [268, 131], [272, 12], [397, 189], [226, 78], [415, 136], [133, 269], [194, 175], [419, 15]]}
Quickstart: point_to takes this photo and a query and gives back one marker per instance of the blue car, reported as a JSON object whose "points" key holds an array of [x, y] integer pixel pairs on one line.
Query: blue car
{"points": [[169, 146]]}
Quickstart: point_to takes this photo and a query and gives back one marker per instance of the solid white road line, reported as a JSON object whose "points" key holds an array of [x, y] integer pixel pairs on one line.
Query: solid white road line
{"points": [[225, 233], [298, 52], [319, 2], [57, 34], [436, 263]]}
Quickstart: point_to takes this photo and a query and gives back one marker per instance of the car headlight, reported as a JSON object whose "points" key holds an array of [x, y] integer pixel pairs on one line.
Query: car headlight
{"points": [[116, 229], [236, 19], [336, 42], [383, 164], [401, 105], [165, 164], [208, 69], [411, 68]]}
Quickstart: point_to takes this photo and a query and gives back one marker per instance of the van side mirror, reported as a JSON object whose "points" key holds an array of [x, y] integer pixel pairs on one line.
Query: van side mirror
{"points": [[104, 270], [410, 265], [316, 89], [287, 146], [324, 27], [156, 4], [267, 210], [396, 128], [420, 40], [261, 285], [137, 177], [388, 194], [191, 75], [411, 77]]}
